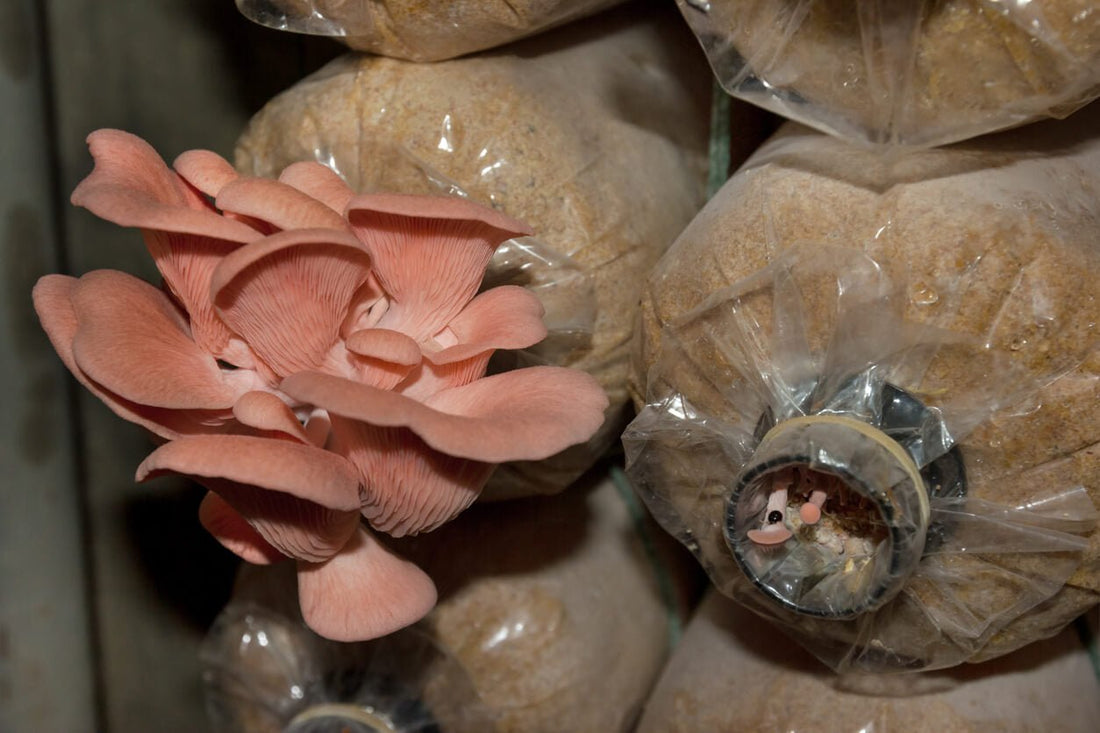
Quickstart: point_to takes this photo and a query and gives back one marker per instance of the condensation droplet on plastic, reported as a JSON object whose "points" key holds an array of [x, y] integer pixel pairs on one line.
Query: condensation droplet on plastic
{"points": [[446, 135], [701, 5], [328, 159], [1017, 343], [490, 168], [923, 294], [505, 633]]}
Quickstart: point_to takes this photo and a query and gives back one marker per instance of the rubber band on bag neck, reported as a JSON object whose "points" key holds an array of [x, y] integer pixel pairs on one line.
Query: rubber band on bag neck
{"points": [[348, 713], [904, 459]]}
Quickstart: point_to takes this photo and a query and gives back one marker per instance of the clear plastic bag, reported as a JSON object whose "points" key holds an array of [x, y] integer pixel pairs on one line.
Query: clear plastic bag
{"points": [[595, 136], [542, 600], [913, 73], [871, 389], [732, 672], [265, 672], [419, 30]]}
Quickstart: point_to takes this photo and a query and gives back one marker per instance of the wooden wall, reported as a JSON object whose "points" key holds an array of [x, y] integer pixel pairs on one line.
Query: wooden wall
{"points": [[106, 587]]}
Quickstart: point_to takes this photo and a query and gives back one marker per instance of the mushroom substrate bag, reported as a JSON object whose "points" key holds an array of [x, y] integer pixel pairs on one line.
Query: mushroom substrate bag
{"points": [[419, 30], [565, 595], [264, 671], [731, 672], [870, 390], [595, 136], [542, 601], [914, 72]]}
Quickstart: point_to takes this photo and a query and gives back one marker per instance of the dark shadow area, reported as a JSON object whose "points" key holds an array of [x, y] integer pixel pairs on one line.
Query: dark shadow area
{"points": [[186, 567], [262, 62]]}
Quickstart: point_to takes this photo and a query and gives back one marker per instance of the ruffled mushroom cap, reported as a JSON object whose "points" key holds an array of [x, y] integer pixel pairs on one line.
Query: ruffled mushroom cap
{"points": [[351, 585], [316, 360]]}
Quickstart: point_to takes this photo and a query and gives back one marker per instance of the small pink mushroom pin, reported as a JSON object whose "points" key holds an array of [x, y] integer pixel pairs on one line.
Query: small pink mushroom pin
{"points": [[774, 531], [811, 510]]}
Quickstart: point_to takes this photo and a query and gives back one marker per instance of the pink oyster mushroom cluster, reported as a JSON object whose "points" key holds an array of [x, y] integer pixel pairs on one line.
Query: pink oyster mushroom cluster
{"points": [[315, 359]]}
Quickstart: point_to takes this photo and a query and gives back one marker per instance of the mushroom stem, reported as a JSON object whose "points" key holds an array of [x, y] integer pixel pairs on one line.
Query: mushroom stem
{"points": [[811, 510]]}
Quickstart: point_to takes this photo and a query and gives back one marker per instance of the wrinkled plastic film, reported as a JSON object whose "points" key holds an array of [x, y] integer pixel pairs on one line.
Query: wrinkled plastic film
{"points": [[818, 341], [265, 671], [917, 73], [419, 30], [566, 292], [320, 18]]}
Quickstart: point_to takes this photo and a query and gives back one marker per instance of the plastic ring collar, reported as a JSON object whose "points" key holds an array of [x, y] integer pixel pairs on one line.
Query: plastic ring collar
{"points": [[891, 445]]}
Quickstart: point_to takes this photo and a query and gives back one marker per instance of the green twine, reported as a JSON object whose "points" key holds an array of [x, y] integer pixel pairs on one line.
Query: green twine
{"points": [[639, 517], [718, 150], [1088, 640]]}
